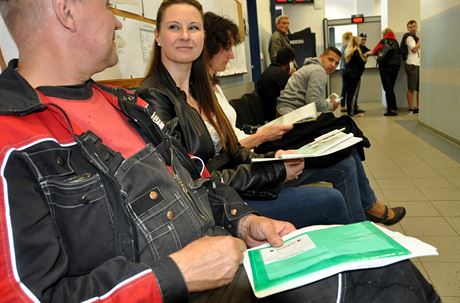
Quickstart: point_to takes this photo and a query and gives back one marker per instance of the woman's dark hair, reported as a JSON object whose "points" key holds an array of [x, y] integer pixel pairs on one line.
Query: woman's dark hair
{"points": [[203, 91], [221, 33]]}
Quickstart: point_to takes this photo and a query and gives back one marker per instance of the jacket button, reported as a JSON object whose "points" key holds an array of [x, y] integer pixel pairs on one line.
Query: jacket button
{"points": [[84, 199], [234, 211], [153, 195], [106, 156], [60, 161], [170, 215]]}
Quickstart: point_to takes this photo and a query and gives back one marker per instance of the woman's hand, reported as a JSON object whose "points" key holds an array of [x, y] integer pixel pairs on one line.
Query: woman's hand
{"points": [[294, 167], [273, 132]]}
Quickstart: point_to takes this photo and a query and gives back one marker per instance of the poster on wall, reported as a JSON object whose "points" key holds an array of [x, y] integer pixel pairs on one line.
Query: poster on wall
{"points": [[151, 8], [131, 6]]}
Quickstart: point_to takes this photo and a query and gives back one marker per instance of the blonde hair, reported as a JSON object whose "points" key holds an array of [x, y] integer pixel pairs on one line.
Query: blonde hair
{"points": [[350, 48], [346, 37], [353, 45], [386, 31]]}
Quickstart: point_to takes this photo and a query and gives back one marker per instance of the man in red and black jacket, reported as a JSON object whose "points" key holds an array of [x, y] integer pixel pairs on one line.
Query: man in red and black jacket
{"points": [[89, 210], [98, 203]]}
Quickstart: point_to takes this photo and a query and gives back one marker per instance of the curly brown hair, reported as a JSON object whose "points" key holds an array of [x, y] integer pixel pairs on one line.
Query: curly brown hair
{"points": [[221, 33]]}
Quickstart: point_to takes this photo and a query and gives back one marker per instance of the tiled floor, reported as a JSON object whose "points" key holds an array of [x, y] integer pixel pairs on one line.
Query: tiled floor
{"points": [[419, 172]]}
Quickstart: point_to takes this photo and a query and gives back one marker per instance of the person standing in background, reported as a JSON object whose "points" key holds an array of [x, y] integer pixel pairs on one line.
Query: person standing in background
{"points": [[389, 69], [355, 62], [279, 38], [346, 38], [412, 65], [364, 50]]}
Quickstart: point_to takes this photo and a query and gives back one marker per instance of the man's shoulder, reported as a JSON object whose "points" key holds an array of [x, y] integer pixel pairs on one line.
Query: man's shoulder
{"points": [[316, 69], [276, 35]]}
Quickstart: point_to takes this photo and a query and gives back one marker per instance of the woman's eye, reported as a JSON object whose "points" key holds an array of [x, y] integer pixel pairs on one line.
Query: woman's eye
{"points": [[173, 27], [195, 28]]}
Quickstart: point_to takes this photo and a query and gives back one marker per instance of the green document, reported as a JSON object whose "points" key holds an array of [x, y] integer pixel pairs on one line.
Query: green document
{"points": [[317, 250]]}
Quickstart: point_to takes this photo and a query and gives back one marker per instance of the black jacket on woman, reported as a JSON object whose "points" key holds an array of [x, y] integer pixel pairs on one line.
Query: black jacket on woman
{"points": [[233, 167]]}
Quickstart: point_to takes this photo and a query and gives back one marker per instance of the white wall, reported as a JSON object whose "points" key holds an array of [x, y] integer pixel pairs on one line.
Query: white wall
{"points": [[398, 13], [7, 45], [440, 67], [265, 30]]}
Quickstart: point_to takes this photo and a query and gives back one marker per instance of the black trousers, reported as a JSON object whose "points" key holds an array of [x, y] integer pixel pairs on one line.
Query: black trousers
{"points": [[388, 75], [398, 283], [351, 81]]}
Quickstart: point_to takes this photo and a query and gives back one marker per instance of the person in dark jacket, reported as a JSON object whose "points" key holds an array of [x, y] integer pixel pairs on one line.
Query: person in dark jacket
{"points": [[89, 210], [205, 131], [389, 69], [273, 80], [355, 61], [178, 88], [85, 216]]}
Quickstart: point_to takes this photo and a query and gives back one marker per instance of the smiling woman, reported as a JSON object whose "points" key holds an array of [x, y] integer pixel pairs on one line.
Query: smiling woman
{"points": [[178, 88]]}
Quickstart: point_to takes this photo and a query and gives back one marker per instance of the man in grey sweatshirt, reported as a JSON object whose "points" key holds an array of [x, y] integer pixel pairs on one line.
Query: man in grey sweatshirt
{"points": [[308, 84]]}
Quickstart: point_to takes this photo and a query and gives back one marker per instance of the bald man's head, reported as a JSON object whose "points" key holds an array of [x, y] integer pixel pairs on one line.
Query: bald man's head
{"points": [[22, 17]]}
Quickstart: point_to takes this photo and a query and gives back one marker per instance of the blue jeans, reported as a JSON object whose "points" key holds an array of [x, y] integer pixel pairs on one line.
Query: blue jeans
{"points": [[348, 177], [305, 206]]}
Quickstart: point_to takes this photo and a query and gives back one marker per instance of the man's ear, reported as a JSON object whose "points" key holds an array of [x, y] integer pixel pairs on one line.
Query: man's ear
{"points": [[65, 12]]}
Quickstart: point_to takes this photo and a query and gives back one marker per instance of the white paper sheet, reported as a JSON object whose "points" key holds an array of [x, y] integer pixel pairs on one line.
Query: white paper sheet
{"points": [[306, 112], [415, 246]]}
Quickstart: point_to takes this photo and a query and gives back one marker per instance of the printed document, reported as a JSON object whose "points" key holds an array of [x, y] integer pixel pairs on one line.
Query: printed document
{"points": [[316, 252]]}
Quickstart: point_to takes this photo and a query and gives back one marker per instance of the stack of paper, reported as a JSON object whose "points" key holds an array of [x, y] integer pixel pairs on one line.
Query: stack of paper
{"points": [[326, 144], [302, 114], [313, 253]]}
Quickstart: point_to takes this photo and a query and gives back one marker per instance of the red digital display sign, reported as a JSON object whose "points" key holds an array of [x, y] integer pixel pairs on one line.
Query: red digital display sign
{"points": [[357, 18]]}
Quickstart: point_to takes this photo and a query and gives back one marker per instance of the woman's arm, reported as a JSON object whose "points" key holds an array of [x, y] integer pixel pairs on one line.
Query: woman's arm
{"points": [[265, 134]]}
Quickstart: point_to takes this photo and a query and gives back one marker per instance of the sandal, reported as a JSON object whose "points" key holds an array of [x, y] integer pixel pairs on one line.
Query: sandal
{"points": [[400, 212]]}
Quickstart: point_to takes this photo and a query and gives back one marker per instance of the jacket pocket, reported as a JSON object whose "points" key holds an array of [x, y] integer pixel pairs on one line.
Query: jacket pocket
{"points": [[79, 207], [166, 220]]}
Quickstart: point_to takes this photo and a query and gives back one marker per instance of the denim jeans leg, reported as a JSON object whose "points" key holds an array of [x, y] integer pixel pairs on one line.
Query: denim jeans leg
{"points": [[367, 194], [343, 177], [304, 206]]}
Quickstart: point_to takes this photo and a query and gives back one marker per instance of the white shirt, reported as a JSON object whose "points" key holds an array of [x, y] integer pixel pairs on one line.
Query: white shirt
{"points": [[229, 111], [412, 58]]}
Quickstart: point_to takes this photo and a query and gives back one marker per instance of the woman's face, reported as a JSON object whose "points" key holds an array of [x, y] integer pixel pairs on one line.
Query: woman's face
{"points": [[220, 60], [181, 34]]}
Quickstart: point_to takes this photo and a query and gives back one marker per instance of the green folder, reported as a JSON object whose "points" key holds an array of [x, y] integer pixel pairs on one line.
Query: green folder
{"points": [[325, 248]]}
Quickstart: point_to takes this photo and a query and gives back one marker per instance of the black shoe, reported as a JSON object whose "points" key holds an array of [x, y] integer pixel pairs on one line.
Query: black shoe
{"points": [[415, 111], [390, 113], [359, 111], [400, 212]]}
